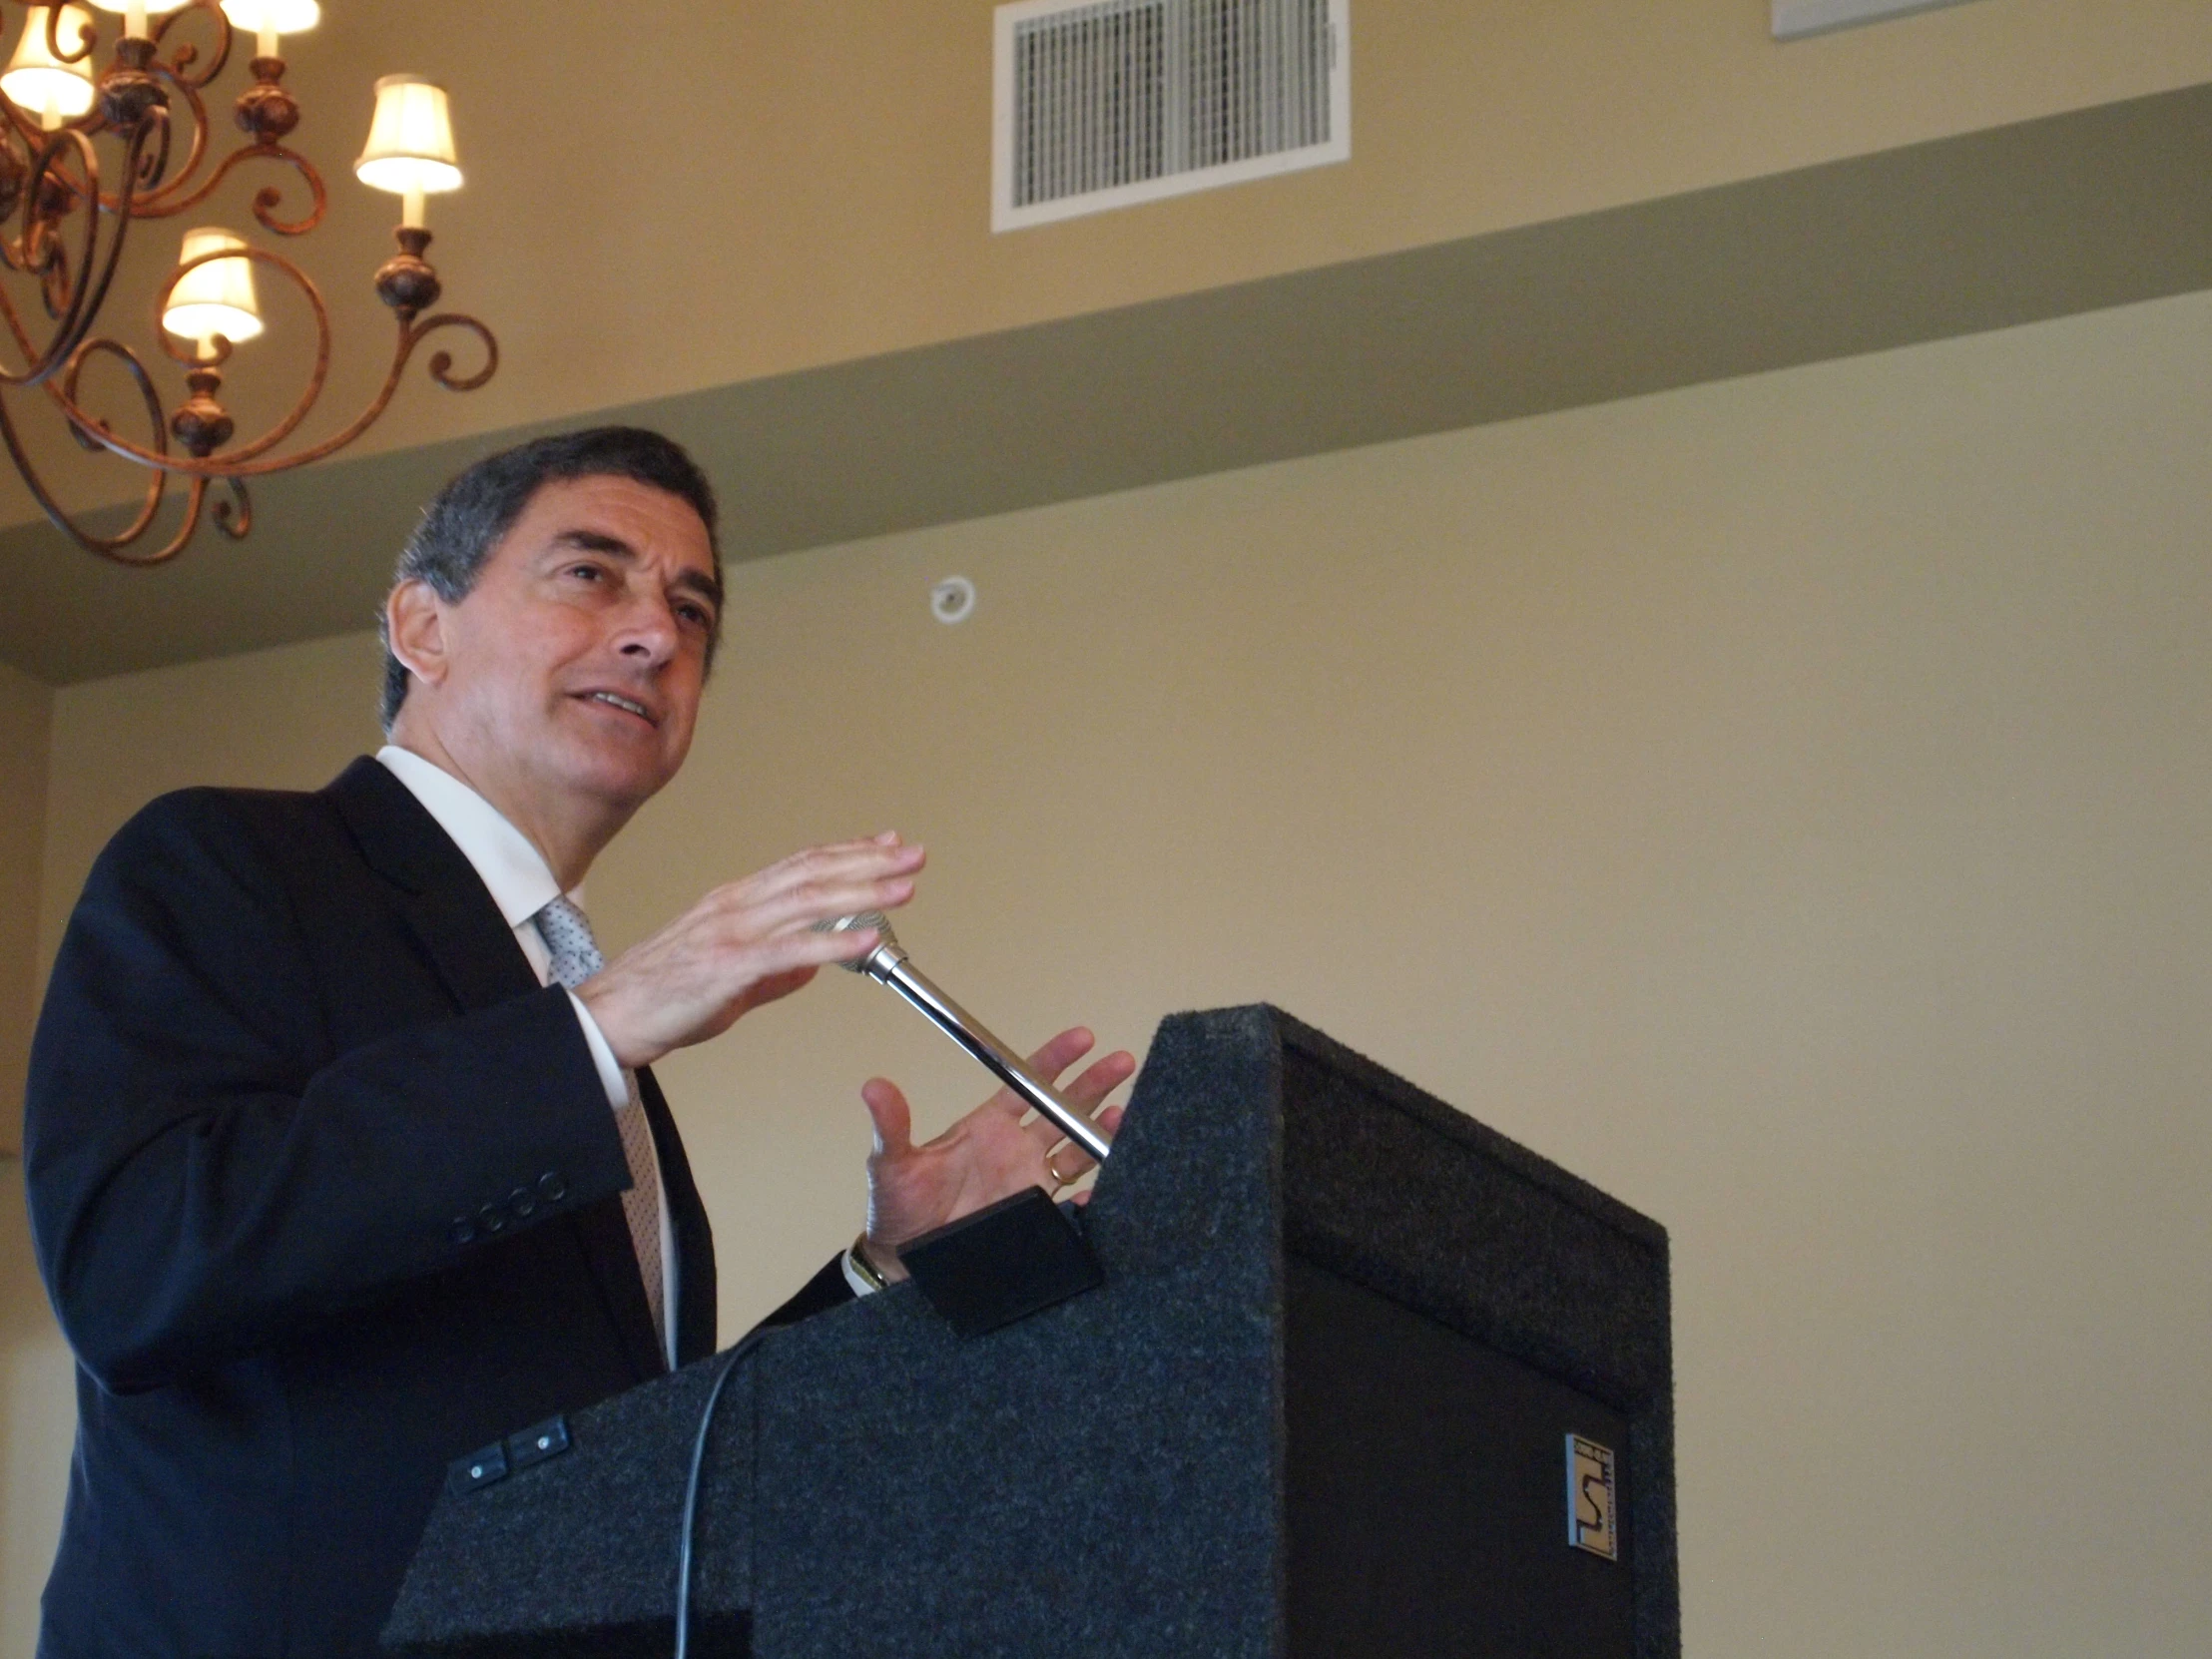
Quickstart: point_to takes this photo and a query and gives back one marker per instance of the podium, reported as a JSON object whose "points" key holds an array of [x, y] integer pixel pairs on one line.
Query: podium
{"points": [[1364, 1378]]}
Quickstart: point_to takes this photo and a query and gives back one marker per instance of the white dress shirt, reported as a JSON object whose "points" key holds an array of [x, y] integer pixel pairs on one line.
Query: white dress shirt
{"points": [[516, 876]]}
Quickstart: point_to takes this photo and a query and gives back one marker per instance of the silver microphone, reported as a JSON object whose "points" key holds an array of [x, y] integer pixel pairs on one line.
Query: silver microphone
{"points": [[888, 964]]}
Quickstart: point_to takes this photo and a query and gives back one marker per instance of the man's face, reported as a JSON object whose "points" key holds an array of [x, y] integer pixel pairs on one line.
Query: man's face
{"points": [[575, 664]]}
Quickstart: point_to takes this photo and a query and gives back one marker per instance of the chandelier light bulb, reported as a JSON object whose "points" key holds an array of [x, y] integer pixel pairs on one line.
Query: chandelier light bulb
{"points": [[38, 83], [215, 297]]}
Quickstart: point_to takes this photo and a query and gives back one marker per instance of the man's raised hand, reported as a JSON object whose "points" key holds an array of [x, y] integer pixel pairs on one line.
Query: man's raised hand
{"points": [[988, 1155], [744, 945]]}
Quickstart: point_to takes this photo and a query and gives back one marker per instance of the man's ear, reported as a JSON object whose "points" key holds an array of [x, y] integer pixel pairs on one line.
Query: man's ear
{"points": [[414, 623]]}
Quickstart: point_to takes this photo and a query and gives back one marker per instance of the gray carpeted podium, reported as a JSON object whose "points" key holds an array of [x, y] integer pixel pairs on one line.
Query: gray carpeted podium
{"points": [[1364, 1378]]}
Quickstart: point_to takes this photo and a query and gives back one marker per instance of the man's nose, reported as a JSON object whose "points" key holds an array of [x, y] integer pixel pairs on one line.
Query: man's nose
{"points": [[649, 631]]}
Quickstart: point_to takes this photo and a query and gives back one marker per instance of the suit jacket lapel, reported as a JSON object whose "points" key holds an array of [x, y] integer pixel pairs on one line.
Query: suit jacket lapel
{"points": [[461, 931], [441, 894]]}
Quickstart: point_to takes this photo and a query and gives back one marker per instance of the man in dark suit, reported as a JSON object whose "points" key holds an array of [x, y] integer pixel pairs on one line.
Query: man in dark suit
{"points": [[343, 1150]]}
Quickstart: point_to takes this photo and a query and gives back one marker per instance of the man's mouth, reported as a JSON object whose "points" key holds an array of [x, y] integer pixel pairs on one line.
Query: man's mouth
{"points": [[627, 705]]}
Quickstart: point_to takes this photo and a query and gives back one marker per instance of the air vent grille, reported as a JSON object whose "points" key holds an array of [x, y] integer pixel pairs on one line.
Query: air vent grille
{"points": [[1102, 103]]}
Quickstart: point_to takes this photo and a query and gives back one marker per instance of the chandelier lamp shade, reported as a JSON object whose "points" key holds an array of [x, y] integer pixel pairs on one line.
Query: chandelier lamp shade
{"points": [[214, 298], [410, 143], [38, 81], [104, 122]]}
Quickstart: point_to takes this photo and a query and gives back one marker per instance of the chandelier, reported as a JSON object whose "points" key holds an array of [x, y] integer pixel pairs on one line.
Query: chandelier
{"points": [[64, 230]]}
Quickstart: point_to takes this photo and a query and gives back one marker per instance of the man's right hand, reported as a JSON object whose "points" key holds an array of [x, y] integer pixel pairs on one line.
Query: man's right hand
{"points": [[744, 945]]}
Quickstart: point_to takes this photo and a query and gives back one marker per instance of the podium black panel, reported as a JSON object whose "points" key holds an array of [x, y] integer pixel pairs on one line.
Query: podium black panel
{"points": [[576, 1557], [1319, 1407], [1426, 1486]]}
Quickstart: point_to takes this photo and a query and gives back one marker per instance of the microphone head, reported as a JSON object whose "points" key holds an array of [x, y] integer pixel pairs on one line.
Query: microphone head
{"points": [[884, 938]]}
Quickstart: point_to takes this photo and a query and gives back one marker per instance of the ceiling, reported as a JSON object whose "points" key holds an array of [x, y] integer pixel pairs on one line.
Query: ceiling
{"points": [[2029, 219]]}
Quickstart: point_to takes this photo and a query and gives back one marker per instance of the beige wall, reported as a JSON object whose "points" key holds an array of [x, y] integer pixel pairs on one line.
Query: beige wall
{"points": [[35, 1406], [25, 710], [1785, 803], [38, 1414]]}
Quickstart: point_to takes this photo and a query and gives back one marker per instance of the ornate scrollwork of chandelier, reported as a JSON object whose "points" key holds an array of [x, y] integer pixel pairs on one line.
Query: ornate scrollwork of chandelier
{"points": [[64, 230]]}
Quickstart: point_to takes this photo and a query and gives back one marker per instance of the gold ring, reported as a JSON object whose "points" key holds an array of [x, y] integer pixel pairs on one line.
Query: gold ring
{"points": [[1058, 1180]]}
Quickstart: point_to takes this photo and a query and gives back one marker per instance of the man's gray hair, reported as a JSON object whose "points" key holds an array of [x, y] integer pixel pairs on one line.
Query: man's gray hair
{"points": [[464, 523]]}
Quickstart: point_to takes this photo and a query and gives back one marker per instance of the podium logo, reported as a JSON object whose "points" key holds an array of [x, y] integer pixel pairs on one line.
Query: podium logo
{"points": [[1591, 1519]]}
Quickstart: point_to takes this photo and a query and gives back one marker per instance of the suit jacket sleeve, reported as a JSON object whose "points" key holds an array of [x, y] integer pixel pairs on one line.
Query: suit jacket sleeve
{"points": [[828, 1289], [209, 1174]]}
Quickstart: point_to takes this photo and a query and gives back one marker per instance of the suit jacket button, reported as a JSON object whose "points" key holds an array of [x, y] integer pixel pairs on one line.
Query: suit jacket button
{"points": [[551, 1187], [520, 1204], [463, 1231], [492, 1219]]}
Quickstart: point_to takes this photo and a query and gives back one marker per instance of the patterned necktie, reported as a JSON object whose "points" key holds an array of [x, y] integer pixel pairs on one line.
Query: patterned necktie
{"points": [[575, 960]]}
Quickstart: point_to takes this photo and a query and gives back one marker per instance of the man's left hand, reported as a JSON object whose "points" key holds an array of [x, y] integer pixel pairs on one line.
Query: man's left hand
{"points": [[988, 1155]]}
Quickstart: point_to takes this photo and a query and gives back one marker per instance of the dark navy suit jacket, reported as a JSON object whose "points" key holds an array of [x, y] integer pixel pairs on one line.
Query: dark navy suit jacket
{"points": [[326, 1193]]}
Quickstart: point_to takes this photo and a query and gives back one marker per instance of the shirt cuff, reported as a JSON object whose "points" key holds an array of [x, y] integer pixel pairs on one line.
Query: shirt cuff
{"points": [[861, 1287], [601, 1056]]}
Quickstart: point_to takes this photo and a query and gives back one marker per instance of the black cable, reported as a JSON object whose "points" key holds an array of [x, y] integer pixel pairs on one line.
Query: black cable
{"points": [[691, 1487]]}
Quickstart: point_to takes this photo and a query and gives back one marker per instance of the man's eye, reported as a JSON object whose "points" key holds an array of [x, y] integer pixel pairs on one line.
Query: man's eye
{"points": [[697, 615]]}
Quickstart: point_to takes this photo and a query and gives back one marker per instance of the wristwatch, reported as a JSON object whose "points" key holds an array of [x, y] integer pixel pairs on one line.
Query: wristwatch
{"points": [[863, 1268]]}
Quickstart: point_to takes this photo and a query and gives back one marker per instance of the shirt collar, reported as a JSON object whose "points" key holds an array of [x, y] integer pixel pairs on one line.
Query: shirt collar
{"points": [[513, 870]]}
